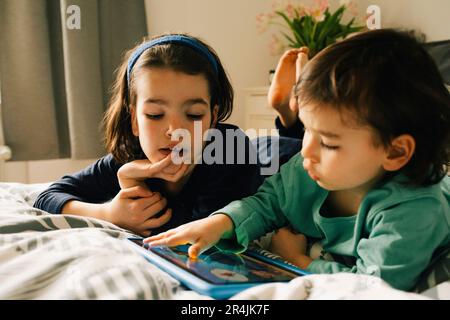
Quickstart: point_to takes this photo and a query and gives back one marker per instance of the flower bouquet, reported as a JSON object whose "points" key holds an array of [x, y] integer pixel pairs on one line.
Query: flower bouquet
{"points": [[314, 27]]}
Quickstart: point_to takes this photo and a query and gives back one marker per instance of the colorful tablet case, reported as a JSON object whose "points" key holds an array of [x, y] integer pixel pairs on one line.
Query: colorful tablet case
{"points": [[217, 274]]}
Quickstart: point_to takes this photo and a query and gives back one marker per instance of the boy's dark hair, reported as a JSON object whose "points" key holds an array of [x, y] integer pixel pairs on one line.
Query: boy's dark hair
{"points": [[388, 81], [119, 138]]}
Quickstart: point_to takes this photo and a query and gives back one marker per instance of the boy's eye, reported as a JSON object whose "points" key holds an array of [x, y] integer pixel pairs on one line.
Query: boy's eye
{"points": [[154, 116], [326, 146]]}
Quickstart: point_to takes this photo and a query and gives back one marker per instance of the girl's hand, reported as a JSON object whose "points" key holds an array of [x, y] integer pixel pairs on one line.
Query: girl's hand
{"points": [[202, 234], [290, 246], [135, 172], [134, 209]]}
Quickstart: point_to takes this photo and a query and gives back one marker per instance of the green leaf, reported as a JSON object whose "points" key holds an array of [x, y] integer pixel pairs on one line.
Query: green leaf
{"points": [[316, 35], [297, 35], [307, 29], [292, 43], [326, 26]]}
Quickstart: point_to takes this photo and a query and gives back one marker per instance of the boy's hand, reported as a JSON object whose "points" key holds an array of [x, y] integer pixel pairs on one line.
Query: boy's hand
{"points": [[290, 246], [134, 209], [135, 172], [202, 234]]}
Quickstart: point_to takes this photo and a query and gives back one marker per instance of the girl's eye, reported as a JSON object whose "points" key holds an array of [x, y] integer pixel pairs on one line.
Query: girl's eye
{"points": [[154, 116], [326, 146], [195, 116]]}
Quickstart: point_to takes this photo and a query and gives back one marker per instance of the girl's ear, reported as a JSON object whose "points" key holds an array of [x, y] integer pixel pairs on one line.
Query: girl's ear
{"points": [[134, 124], [399, 152], [214, 116]]}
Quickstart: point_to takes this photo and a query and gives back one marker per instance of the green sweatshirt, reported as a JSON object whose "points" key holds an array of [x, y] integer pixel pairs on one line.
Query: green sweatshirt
{"points": [[393, 236]]}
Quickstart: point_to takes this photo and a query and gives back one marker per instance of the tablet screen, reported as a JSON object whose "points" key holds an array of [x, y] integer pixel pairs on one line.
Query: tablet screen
{"points": [[218, 267]]}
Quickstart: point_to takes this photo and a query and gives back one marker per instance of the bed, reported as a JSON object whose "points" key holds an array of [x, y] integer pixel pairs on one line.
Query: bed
{"points": [[44, 256]]}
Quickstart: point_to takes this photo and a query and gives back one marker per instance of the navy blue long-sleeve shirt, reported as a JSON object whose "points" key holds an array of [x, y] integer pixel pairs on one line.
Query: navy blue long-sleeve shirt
{"points": [[295, 131], [209, 188]]}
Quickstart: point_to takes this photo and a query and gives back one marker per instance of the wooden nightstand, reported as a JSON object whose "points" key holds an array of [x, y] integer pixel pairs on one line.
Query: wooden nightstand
{"points": [[258, 114]]}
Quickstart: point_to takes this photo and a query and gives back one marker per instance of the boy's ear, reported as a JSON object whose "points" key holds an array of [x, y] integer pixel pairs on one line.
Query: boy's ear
{"points": [[134, 125], [399, 152], [214, 115]]}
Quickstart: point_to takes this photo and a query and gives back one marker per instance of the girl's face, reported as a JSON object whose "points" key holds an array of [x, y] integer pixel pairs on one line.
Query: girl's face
{"points": [[338, 156], [168, 100]]}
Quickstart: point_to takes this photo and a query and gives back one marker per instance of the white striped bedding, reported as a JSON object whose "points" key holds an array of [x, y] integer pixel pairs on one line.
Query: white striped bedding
{"points": [[44, 256]]}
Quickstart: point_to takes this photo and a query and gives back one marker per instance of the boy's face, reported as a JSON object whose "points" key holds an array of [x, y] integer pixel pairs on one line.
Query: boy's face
{"points": [[337, 155], [166, 101]]}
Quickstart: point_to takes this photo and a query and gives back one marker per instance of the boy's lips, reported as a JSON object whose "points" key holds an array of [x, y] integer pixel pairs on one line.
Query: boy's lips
{"points": [[312, 175], [307, 168]]}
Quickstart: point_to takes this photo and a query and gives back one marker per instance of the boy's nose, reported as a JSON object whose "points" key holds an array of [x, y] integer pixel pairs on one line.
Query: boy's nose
{"points": [[309, 149]]}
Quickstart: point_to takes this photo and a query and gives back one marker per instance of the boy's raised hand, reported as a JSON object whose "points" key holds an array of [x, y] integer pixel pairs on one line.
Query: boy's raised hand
{"points": [[202, 234], [135, 172], [286, 75]]}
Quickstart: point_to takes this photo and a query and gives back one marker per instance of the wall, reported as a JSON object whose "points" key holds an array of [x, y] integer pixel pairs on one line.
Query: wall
{"points": [[41, 171], [230, 27], [432, 17]]}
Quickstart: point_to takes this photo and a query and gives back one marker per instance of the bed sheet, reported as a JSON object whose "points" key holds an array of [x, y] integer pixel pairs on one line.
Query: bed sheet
{"points": [[45, 256]]}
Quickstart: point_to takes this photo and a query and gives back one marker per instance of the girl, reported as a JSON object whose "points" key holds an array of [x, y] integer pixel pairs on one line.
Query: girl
{"points": [[370, 182], [170, 83]]}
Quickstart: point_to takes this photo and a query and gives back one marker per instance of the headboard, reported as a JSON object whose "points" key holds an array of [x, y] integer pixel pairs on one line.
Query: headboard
{"points": [[440, 51]]}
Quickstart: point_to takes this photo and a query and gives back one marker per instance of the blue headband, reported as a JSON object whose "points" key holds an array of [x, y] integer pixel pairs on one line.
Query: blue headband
{"points": [[177, 39]]}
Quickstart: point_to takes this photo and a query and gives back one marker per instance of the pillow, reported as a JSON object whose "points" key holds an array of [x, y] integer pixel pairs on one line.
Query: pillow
{"points": [[440, 52]]}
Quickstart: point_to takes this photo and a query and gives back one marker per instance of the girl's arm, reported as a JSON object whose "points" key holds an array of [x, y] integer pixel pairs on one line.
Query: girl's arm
{"points": [[132, 209], [84, 209], [96, 184], [95, 192]]}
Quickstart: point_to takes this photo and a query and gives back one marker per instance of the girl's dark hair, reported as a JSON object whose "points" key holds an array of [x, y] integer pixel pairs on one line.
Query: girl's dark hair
{"points": [[388, 81], [119, 138]]}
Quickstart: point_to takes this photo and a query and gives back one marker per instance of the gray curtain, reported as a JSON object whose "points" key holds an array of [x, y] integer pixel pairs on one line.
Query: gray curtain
{"points": [[55, 81]]}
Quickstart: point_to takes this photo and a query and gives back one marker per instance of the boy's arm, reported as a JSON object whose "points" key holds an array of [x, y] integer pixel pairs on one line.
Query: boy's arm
{"points": [[202, 234], [399, 246], [266, 210]]}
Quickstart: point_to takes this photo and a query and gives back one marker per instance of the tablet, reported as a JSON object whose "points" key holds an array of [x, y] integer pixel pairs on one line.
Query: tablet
{"points": [[217, 274]]}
